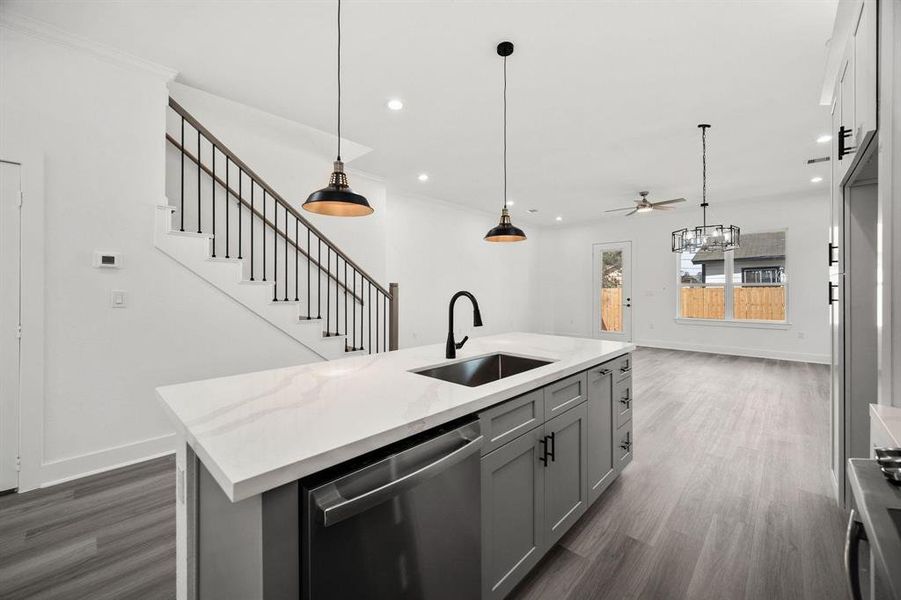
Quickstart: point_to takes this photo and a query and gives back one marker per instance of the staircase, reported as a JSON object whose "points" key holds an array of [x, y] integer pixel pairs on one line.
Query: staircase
{"points": [[228, 226]]}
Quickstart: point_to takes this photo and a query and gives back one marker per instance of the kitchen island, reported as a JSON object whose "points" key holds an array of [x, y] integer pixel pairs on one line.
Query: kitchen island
{"points": [[244, 436]]}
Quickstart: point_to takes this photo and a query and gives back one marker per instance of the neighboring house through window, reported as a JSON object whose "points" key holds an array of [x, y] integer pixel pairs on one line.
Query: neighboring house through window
{"points": [[746, 284]]}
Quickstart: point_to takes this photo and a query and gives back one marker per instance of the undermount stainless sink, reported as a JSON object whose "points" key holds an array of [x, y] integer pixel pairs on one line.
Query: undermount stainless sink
{"points": [[483, 369]]}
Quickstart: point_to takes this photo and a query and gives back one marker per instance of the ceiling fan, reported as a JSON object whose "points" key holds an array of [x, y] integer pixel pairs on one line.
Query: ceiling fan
{"points": [[644, 205]]}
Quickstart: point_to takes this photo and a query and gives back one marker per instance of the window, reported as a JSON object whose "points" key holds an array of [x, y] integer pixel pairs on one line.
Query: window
{"points": [[746, 284]]}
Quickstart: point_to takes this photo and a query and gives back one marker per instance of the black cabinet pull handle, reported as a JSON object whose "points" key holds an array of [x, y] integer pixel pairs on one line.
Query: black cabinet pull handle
{"points": [[832, 249], [844, 132], [829, 291], [551, 453], [543, 457]]}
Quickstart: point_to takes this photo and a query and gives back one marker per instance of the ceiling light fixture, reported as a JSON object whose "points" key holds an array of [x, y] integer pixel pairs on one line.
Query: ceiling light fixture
{"points": [[423, 177], [644, 209], [559, 219], [505, 231], [337, 199], [824, 138], [706, 238], [395, 104], [816, 179]]}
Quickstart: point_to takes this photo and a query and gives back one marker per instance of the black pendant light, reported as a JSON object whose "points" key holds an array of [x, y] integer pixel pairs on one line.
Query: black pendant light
{"points": [[704, 237], [337, 199], [505, 231]]}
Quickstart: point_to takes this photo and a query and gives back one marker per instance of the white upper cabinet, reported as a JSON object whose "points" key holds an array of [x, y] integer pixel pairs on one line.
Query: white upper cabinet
{"points": [[865, 71], [854, 108]]}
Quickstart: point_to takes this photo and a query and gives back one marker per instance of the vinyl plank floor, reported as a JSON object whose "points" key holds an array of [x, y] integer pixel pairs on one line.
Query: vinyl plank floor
{"points": [[728, 498]]}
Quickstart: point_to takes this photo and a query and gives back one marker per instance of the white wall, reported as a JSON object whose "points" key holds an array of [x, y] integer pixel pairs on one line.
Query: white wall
{"points": [[99, 126], [566, 276], [436, 249]]}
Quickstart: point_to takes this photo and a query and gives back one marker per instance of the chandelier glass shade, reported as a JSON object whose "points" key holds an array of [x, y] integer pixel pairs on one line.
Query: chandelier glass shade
{"points": [[704, 237]]}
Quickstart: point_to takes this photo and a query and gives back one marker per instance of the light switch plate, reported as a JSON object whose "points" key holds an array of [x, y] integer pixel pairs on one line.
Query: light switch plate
{"points": [[118, 299]]}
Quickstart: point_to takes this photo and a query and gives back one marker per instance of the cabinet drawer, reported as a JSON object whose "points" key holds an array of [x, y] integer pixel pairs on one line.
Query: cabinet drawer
{"points": [[622, 401], [622, 446], [509, 420], [564, 395], [622, 366]]}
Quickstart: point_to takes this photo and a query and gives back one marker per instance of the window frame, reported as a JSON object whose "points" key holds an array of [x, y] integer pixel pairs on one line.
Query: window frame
{"points": [[729, 286]]}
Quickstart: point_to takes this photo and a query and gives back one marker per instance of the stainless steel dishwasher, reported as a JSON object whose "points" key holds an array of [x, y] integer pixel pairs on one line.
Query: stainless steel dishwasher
{"points": [[407, 525]]}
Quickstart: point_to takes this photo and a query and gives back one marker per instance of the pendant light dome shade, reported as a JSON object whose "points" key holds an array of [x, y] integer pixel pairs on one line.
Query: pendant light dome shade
{"points": [[505, 230], [337, 199]]}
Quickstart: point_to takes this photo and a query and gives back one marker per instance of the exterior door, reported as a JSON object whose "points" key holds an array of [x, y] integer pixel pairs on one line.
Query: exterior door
{"points": [[10, 275], [612, 291]]}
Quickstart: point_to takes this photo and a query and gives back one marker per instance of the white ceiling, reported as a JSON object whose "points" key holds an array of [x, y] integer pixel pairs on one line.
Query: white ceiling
{"points": [[603, 96]]}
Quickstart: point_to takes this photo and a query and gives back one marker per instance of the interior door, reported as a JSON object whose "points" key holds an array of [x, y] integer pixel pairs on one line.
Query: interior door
{"points": [[612, 291], [10, 275]]}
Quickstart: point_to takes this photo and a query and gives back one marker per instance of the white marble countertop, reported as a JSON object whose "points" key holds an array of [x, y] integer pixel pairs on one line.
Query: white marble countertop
{"points": [[890, 417], [257, 431]]}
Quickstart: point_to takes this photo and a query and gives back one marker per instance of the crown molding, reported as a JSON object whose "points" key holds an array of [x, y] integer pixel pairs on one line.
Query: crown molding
{"points": [[50, 33]]}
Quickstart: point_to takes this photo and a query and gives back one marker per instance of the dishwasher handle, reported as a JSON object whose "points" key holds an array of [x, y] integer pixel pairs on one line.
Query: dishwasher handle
{"points": [[856, 534], [335, 508]]}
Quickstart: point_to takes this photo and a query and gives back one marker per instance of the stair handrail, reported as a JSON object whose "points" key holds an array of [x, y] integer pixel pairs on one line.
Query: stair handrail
{"points": [[178, 108]]}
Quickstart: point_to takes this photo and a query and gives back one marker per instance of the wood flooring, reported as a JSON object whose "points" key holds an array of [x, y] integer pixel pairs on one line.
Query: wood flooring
{"points": [[729, 497]]}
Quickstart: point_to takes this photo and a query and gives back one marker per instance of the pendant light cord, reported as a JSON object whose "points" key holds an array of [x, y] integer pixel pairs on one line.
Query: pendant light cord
{"points": [[339, 80], [505, 133]]}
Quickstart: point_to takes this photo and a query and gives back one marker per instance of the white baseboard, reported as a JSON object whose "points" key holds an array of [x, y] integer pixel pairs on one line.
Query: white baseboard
{"points": [[738, 351], [67, 469]]}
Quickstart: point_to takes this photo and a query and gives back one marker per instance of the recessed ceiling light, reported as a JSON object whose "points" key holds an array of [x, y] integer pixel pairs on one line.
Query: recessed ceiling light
{"points": [[824, 138], [395, 104], [423, 177], [816, 179], [559, 218]]}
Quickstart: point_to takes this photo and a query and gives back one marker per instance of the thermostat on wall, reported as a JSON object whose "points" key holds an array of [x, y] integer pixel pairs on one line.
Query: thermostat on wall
{"points": [[107, 260]]}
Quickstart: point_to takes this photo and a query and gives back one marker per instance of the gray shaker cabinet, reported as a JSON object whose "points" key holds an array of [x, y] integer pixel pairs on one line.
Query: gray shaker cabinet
{"points": [[601, 471], [566, 480], [513, 482]]}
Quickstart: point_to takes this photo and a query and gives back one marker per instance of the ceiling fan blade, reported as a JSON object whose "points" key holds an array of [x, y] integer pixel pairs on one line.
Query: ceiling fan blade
{"points": [[658, 207], [628, 214], [620, 209], [673, 201]]}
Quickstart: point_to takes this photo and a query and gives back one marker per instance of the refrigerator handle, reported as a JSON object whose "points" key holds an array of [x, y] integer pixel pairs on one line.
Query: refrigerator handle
{"points": [[335, 508], [856, 533]]}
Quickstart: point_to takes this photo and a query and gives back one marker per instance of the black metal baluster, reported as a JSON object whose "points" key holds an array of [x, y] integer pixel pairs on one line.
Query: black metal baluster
{"points": [[241, 212], [199, 171], [328, 290], [264, 228], [286, 254], [385, 323], [345, 299], [251, 226], [354, 304], [296, 256], [274, 246], [337, 312], [182, 211], [376, 320], [369, 320], [309, 258], [214, 198], [228, 205], [319, 281]]}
